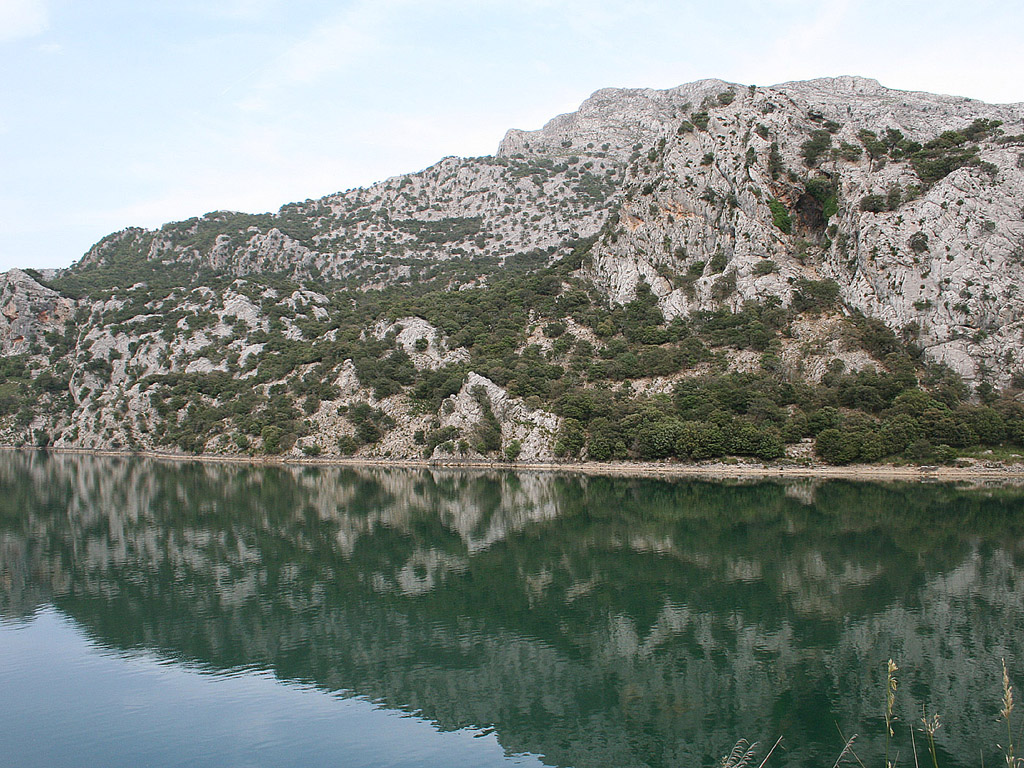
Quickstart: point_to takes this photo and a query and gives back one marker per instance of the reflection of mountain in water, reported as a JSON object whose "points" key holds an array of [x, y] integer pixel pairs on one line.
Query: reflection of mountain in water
{"points": [[596, 621]]}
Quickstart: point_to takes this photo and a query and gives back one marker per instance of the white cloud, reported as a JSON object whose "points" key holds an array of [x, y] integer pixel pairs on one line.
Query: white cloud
{"points": [[22, 18]]}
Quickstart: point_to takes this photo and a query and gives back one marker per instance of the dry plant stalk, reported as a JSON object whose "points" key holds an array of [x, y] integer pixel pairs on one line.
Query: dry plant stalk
{"points": [[846, 750], [890, 703], [1005, 713], [931, 725], [740, 756]]}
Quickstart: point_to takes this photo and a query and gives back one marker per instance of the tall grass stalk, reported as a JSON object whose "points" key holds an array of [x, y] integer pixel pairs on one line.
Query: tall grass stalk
{"points": [[847, 749], [931, 725], [890, 703], [777, 742], [742, 755], [1005, 713]]}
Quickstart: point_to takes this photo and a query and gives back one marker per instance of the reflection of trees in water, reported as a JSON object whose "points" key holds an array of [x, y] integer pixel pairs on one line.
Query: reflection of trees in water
{"points": [[594, 620]]}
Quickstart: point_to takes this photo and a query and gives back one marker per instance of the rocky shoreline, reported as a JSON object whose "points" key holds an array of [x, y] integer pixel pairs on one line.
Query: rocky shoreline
{"points": [[718, 470]]}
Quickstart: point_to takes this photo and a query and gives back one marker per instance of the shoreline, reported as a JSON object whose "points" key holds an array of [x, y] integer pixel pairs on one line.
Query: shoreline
{"points": [[719, 470]]}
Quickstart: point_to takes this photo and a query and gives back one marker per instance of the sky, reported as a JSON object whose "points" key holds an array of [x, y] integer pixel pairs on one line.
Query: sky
{"points": [[118, 113]]}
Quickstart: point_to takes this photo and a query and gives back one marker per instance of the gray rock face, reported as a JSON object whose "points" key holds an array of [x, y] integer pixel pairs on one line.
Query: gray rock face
{"points": [[533, 430], [424, 343], [691, 196], [617, 117], [485, 208], [944, 264], [27, 311]]}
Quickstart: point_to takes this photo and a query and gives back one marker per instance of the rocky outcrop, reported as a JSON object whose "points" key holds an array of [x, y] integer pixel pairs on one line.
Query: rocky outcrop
{"points": [[398, 231], [699, 167], [531, 430], [615, 120], [424, 343], [28, 310], [941, 258]]}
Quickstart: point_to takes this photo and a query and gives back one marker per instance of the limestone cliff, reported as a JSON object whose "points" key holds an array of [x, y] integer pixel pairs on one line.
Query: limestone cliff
{"points": [[364, 321], [940, 256]]}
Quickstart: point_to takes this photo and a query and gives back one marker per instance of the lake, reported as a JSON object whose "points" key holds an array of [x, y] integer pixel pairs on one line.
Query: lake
{"points": [[194, 614]]}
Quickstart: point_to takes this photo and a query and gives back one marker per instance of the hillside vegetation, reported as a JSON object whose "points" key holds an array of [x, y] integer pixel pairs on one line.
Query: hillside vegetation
{"points": [[824, 268]]}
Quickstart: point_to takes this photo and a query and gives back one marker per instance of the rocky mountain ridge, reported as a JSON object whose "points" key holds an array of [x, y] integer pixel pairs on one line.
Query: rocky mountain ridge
{"points": [[804, 234], [941, 236]]}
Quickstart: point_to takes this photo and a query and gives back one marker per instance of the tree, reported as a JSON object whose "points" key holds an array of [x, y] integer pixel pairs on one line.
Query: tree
{"points": [[699, 440], [815, 146], [657, 439], [835, 447], [570, 439]]}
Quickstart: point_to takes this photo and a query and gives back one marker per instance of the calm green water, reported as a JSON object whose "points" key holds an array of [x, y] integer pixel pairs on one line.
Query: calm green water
{"points": [[183, 614]]}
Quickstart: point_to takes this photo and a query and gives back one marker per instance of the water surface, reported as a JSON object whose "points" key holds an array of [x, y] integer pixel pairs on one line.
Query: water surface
{"points": [[194, 614]]}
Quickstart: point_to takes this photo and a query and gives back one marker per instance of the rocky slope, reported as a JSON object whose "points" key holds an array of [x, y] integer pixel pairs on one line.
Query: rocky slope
{"points": [[943, 255], [801, 232]]}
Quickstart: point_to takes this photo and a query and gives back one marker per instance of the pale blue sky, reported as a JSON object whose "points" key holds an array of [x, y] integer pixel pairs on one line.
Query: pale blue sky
{"points": [[137, 112]]}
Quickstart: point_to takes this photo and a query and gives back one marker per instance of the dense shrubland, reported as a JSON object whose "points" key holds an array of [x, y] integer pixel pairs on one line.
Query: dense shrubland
{"points": [[590, 371]]}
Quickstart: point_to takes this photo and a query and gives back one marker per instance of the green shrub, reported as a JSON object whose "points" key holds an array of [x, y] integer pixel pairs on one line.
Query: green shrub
{"points": [[657, 439], [826, 193], [554, 329], [272, 439], [872, 145], [775, 164], [724, 286], [570, 439], [780, 216], [849, 152], [488, 431], [699, 440], [442, 230], [874, 203], [814, 295], [836, 447], [815, 146]]}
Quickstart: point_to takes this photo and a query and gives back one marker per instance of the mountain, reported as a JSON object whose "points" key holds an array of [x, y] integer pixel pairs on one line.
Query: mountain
{"points": [[710, 269]]}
